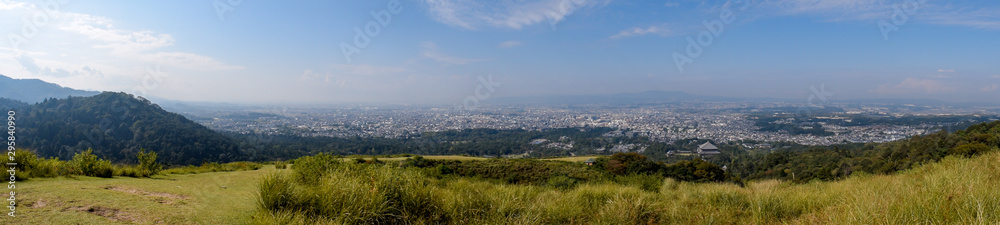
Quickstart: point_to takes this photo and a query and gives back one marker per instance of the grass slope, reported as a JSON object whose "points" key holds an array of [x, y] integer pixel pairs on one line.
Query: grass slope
{"points": [[204, 198], [954, 191]]}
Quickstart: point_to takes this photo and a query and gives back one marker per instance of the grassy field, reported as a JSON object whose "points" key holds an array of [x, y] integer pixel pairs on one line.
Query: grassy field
{"points": [[574, 158], [433, 157], [458, 157], [204, 198], [954, 191]]}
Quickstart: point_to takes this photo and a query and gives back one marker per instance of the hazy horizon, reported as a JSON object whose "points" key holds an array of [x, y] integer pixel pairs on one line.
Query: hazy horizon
{"points": [[451, 51]]}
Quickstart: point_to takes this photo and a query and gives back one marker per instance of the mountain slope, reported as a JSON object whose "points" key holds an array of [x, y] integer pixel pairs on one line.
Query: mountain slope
{"points": [[34, 90], [116, 126]]}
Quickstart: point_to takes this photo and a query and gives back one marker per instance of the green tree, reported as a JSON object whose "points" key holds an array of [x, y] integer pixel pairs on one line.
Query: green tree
{"points": [[89, 164], [147, 162]]}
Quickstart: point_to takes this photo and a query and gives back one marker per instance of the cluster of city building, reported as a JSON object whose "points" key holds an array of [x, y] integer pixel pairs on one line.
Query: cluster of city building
{"points": [[716, 121]]}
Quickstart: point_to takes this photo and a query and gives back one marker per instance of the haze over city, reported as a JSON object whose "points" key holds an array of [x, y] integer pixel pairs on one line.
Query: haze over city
{"points": [[442, 51]]}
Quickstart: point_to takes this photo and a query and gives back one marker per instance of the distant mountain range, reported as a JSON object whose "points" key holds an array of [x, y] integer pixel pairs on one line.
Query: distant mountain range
{"points": [[653, 97], [35, 90]]}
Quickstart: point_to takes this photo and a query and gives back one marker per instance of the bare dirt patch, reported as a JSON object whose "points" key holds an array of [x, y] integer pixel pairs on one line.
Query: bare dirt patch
{"points": [[164, 198], [112, 214], [41, 203]]}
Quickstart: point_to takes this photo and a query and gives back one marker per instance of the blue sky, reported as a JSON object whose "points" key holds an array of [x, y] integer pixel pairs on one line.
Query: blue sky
{"points": [[438, 51]]}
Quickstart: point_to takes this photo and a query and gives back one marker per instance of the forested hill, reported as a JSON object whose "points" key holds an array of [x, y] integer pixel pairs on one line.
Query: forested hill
{"points": [[117, 126], [9, 104]]}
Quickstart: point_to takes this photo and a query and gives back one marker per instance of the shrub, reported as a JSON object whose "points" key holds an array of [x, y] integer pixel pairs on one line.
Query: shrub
{"points": [[971, 149], [129, 171], [147, 163], [88, 164], [51, 167], [309, 169], [26, 162], [645, 182]]}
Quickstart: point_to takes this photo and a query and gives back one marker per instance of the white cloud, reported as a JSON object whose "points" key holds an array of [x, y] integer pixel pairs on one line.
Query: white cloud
{"points": [[950, 13], [52, 69], [431, 51], [119, 41], [472, 15], [8, 5], [984, 18], [508, 44], [640, 31], [139, 45], [852, 7], [671, 4], [915, 86], [946, 70]]}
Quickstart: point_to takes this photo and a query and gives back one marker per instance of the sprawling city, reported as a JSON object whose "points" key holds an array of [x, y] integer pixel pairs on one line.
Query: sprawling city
{"points": [[716, 121], [460, 112]]}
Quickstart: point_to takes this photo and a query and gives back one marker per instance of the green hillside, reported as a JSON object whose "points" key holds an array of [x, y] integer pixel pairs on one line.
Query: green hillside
{"points": [[117, 126]]}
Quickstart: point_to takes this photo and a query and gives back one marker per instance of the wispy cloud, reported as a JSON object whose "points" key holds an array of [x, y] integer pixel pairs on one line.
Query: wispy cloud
{"points": [[29, 64], [118, 41], [640, 32], [984, 18], [138, 45], [57, 70], [946, 70], [432, 52], [914, 86], [871, 10], [509, 44], [472, 15], [9, 5]]}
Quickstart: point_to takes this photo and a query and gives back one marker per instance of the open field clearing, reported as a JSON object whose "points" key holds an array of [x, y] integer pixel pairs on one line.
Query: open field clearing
{"points": [[204, 198]]}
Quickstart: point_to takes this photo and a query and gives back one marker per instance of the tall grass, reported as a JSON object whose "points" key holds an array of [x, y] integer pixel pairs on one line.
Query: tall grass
{"points": [[954, 191], [214, 167]]}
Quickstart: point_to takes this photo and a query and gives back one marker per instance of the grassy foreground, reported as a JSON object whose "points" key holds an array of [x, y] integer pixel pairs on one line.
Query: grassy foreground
{"points": [[203, 198], [954, 191]]}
